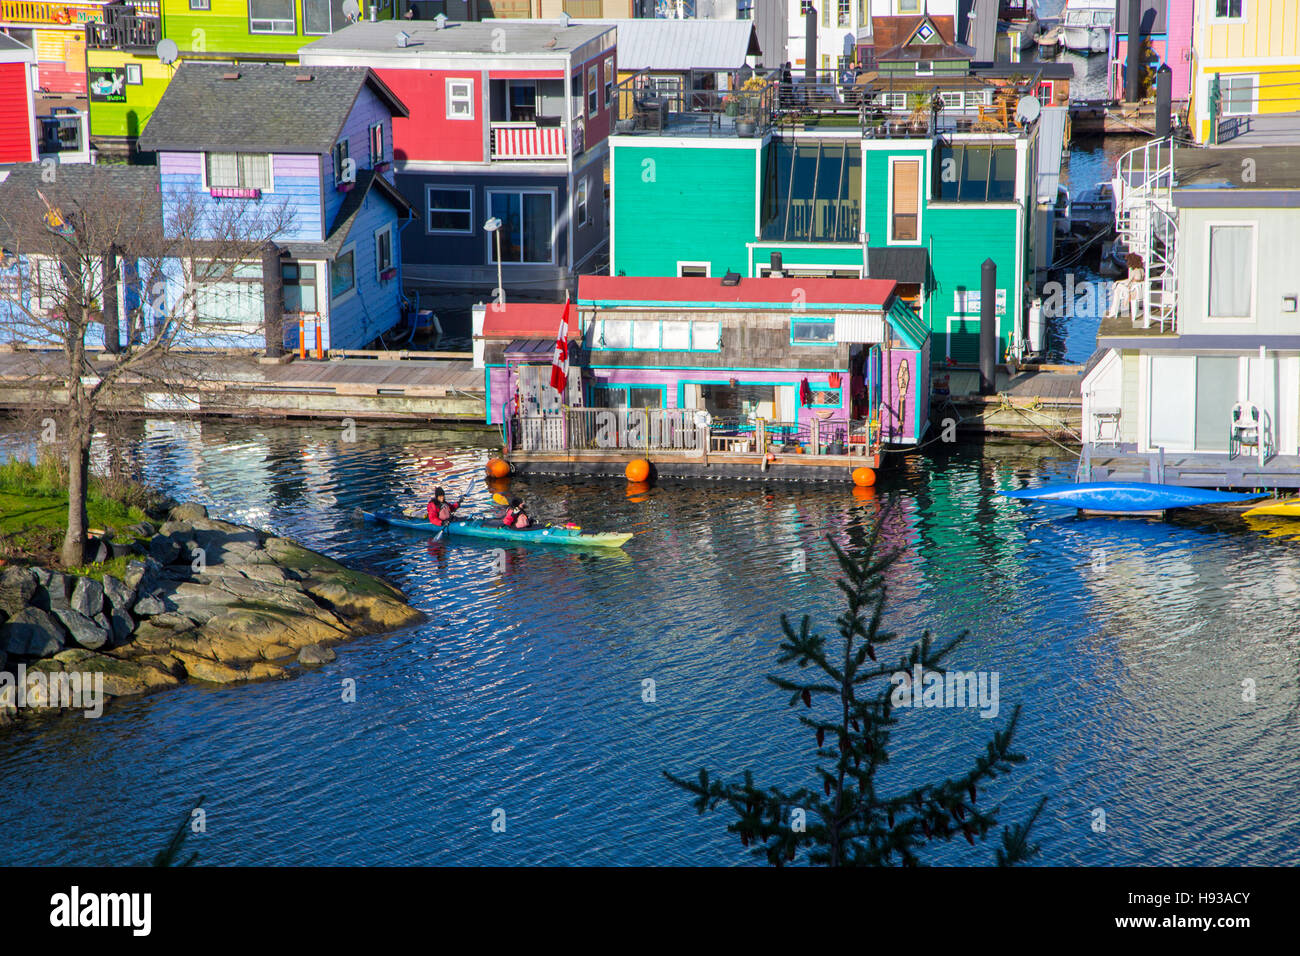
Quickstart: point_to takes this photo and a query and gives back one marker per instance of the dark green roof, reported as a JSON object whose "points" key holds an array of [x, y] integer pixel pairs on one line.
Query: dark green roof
{"points": [[259, 107]]}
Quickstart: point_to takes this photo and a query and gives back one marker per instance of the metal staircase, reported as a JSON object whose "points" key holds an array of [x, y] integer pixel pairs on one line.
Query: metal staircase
{"points": [[1146, 224]]}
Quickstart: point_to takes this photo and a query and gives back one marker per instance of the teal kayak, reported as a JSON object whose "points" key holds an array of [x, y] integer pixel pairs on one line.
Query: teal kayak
{"points": [[480, 528]]}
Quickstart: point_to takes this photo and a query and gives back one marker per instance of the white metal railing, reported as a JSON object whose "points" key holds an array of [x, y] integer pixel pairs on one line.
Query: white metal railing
{"points": [[1145, 225], [528, 141]]}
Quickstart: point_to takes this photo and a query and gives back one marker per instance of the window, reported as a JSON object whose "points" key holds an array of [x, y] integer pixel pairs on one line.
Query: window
{"points": [[134, 74], [605, 395], [238, 170], [200, 4], [812, 331], [695, 270], [232, 303], [344, 170], [744, 9], [1238, 95], [909, 6], [826, 398], [450, 210], [676, 335], [376, 144], [804, 7], [844, 13], [460, 99], [645, 335], [924, 68], [1229, 9], [299, 283], [593, 91], [322, 16], [271, 16], [585, 9], [609, 81], [343, 274], [383, 252], [975, 173], [1231, 272], [657, 336], [527, 221], [582, 202], [614, 334], [905, 205]]}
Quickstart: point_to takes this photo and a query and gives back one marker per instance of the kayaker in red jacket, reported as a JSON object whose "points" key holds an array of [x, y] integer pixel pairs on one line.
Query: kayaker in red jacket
{"points": [[516, 516], [440, 509]]}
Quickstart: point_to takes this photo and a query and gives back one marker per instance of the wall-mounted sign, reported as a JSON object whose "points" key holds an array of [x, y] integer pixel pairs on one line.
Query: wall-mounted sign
{"points": [[107, 84], [967, 302]]}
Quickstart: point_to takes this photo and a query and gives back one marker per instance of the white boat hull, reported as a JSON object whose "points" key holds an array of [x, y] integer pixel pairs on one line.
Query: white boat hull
{"points": [[1082, 39]]}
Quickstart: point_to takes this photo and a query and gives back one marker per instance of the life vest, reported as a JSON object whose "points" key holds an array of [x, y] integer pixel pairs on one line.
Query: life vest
{"points": [[439, 516]]}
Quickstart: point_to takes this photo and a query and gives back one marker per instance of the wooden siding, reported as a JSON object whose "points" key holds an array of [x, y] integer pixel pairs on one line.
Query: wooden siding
{"points": [[15, 114], [375, 307], [130, 118], [296, 183], [356, 131]]}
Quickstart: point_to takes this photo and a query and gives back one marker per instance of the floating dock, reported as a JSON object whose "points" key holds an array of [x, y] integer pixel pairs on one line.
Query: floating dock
{"points": [[1032, 403]]}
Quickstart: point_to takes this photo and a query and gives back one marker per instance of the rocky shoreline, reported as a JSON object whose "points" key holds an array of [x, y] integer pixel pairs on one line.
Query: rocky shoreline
{"points": [[203, 600]]}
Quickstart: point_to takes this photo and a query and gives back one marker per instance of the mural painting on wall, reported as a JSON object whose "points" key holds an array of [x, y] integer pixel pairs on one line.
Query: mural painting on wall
{"points": [[107, 84]]}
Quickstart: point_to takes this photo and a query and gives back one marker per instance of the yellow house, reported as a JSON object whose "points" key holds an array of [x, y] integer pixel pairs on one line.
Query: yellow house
{"points": [[1245, 69]]}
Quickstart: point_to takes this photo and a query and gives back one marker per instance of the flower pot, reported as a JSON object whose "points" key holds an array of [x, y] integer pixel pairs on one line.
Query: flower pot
{"points": [[746, 127]]}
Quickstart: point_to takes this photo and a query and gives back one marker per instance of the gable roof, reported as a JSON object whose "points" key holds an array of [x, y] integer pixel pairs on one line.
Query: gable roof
{"points": [[122, 202], [765, 293], [260, 107], [11, 51], [367, 181]]}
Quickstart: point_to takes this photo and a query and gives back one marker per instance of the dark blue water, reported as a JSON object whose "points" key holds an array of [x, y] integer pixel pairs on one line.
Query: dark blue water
{"points": [[1126, 642]]}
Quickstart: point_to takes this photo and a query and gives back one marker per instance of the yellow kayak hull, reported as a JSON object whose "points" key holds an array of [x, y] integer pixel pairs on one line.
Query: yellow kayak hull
{"points": [[1278, 509]]}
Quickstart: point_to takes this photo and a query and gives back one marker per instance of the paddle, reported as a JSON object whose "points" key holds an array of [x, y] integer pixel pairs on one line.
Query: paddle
{"points": [[468, 489]]}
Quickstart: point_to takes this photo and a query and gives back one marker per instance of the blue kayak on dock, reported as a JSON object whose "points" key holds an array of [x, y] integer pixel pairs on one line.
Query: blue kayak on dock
{"points": [[1128, 496]]}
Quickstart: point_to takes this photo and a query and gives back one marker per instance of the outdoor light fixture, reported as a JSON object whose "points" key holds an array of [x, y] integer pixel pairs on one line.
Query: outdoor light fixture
{"points": [[494, 225]]}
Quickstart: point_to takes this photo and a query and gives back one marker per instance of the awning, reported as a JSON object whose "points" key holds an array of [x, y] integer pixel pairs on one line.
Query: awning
{"points": [[909, 266]]}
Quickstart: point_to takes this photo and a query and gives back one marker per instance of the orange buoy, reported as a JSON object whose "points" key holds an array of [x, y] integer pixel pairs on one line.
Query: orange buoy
{"points": [[498, 468], [637, 470], [864, 477]]}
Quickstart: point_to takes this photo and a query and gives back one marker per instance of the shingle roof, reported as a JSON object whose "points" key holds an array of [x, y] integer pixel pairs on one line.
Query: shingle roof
{"points": [[367, 180], [122, 203], [262, 107], [902, 264]]}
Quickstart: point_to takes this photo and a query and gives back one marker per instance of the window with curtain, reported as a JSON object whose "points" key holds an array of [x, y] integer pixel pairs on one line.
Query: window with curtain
{"points": [[1232, 271], [234, 302], [906, 211], [271, 16], [241, 170]]}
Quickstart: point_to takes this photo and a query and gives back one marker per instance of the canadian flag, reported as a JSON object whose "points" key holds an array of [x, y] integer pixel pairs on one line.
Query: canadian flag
{"points": [[560, 357]]}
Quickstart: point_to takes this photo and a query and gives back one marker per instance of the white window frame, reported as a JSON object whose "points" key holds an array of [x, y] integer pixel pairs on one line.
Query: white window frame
{"points": [[430, 187], [929, 68], [392, 253], [371, 131], [609, 82], [350, 248], [695, 263], [136, 70], [593, 90], [1224, 78], [581, 194], [916, 8], [524, 191], [454, 97], [203, 171], [252, 326], [340, 154], [1253, 225], [922, 197], [272, 30], [1215, 18]]}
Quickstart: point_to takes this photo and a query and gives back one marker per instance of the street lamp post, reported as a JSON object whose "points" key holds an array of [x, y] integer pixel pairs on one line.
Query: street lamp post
{"points": [[493, 225]]}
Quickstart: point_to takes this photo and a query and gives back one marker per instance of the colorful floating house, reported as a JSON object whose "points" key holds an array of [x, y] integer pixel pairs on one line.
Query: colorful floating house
{"points": [[846, 185], [509, 126], [1245, 70], [1200, 353], [56, 31], [125, 76], [818, 362], [18, 126], [310, 147], [1166, 32]]}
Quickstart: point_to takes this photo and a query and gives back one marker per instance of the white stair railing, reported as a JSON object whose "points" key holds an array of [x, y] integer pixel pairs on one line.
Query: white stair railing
{"points": [[1145, 224]]}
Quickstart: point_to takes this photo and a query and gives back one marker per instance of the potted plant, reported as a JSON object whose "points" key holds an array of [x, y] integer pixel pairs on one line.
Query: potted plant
{"points": [[748, 104]]}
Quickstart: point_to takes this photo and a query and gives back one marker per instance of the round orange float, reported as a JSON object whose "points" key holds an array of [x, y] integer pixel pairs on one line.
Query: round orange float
{"points": [[637, 470], [864, 477], [498, 468]]}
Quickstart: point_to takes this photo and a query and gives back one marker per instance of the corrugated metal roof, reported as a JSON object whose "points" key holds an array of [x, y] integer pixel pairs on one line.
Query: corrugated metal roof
{"points": [[1052, 121], [983, 33], [684, 44]]}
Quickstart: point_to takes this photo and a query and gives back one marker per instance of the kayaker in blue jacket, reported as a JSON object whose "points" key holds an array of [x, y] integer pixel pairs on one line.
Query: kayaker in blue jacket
{"points": [[440, 509]]}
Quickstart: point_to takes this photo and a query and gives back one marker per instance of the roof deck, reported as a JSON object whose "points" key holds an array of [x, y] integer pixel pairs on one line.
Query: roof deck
{"points": [[501, 39]]}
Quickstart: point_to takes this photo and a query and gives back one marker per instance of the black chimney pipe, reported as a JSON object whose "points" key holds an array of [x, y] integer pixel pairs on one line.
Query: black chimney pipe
{"points": [[988, 328], [1133, 79], [776, 263], [1164, 101], [810, 43]]}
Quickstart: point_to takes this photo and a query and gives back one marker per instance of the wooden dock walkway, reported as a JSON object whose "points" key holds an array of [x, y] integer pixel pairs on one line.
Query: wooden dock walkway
{"points": [[409, 388], [1241, 473], [1040, 402]]}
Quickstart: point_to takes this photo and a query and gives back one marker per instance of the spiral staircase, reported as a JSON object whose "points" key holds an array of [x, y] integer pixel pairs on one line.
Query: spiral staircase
{"points": [[1146, 224]]}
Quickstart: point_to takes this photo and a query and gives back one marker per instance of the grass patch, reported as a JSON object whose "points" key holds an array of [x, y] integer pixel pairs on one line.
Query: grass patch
{"points": [[113, 568]]}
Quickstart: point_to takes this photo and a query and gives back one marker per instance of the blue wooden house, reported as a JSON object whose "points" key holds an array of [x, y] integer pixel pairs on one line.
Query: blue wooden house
{"points": [[305, 156]]}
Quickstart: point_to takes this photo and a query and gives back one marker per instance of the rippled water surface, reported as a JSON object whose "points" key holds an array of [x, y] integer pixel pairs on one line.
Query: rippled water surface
{"points": [[1127, 642]]}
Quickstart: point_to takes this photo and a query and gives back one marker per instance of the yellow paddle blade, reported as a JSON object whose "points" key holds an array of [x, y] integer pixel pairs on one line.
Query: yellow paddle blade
{"points": [[501, 500]]}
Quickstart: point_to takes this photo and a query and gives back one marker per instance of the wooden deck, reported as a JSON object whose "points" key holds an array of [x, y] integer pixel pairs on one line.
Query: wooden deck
{"points": [[414, 388], [1242, 473], [1033, 403]]}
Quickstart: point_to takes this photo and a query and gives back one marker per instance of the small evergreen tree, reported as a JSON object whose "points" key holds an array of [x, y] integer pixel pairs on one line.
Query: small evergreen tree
{"points": [[171, 853], [848, 822]]}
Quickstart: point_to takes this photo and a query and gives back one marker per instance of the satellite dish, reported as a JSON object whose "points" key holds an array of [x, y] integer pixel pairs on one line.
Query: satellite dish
{"points": [[1027, 110], [167, 51], [352, 9]]}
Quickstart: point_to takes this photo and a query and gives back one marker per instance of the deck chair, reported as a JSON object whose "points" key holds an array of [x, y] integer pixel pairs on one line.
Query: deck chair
{"points": [[1250, 429]]}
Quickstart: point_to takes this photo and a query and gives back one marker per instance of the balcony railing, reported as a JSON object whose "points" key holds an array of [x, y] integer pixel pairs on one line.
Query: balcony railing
{"points": [[528, 141], [58, 14], [124, 32], [655, 105]]}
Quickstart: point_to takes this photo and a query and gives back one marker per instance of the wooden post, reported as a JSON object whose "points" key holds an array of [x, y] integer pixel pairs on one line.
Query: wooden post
{"points": [[108, 283]]}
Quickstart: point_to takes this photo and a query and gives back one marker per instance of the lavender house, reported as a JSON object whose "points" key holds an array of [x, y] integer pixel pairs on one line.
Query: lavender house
{"points": [[308, 150]]}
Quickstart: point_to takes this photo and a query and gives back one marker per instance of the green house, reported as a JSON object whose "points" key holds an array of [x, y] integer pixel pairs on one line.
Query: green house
{"points": [[126, 76], [924, 209]]}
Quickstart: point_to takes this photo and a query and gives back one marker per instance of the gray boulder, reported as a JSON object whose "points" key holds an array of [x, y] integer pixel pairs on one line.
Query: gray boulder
{"points": [[314, 654], [84, 631], [142, 530], [118, 594], [143, 575], [55, 591], [164, 549], [32, 633], [122, 626], [17, 585], [188, 511], [88, 597], [149, 605]]}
